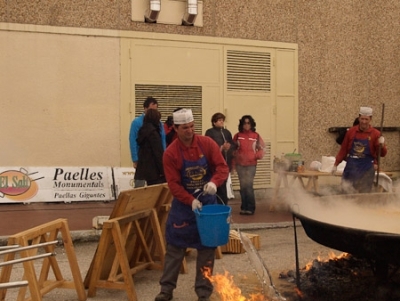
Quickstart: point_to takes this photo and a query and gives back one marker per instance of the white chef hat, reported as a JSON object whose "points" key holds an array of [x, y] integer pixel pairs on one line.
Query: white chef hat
{"points": [[366, 111], [183, 116]]}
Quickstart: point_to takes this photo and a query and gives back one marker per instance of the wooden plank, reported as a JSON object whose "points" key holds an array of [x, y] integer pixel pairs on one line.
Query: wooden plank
{"points": [[123, 262], [73, 262], [117, 231], [155, 197]]}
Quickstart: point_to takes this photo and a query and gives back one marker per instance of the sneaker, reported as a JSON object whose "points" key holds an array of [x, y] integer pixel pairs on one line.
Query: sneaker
{"points": [[203, 299], [247, 212], [163, 297], [242, 212]]}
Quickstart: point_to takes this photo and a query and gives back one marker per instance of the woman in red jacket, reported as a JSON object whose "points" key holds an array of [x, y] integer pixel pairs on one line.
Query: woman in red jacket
{"points": [[250, 149]]}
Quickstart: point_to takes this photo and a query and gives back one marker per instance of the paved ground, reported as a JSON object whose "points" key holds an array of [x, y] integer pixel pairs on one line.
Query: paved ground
{"points": [[275, 230], [277, 251]]}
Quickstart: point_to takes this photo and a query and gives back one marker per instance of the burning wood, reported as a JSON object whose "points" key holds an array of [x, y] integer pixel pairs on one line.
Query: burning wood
{"points": [[331, 256], [344, 278]]}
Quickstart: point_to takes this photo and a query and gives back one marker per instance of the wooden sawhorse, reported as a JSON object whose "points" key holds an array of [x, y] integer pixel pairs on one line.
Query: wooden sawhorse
{"points": [[29, 241]]}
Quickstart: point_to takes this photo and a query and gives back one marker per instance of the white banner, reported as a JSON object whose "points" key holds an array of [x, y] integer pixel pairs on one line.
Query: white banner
{"points": [[55, 184], [123, 177]]}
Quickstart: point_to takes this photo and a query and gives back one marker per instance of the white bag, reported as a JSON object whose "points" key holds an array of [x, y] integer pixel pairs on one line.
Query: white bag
{"points": [[229, 188], [327, 163], [315, 165]]}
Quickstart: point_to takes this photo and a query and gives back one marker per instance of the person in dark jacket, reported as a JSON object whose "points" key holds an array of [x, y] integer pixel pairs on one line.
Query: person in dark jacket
{"points": [[151, 150], [223, 138], [149, 103], [342, 132]]}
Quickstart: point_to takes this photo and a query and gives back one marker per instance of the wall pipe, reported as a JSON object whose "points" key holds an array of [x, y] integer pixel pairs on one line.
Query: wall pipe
{"points": [[191, 13], [152, 13]]}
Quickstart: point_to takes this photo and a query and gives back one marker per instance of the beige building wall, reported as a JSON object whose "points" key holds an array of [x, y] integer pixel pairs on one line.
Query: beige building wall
{"points": [[82, 98], [347, 52], [60, 98]]}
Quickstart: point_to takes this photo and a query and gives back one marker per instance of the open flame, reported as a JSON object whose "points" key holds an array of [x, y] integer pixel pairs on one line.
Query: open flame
{"points": [[331, 256], [227, 289], [299, 292]]}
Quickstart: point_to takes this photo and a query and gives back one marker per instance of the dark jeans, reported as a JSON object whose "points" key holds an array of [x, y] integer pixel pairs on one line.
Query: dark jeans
{"points": [[222, 194], [172, 265], [139, 183], [157, 181], [246, 176]]}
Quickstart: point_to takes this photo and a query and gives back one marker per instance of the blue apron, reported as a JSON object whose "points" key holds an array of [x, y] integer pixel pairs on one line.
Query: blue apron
{"points": [[359, 162], [181, 226]]}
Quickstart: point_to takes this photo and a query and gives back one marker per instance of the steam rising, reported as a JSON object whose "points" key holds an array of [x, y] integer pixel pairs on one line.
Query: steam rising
{"points": [[376, 212]]}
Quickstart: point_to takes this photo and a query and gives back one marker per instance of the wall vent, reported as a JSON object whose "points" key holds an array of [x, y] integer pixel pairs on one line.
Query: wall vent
{"points": [[248, 71]]}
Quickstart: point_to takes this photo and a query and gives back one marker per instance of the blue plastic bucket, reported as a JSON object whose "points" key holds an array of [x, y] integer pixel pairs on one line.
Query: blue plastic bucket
{"points": [[213, 223]]}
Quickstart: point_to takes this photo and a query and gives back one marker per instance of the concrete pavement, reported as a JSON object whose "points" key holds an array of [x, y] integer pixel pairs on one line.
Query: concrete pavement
{"points": [[275, 230], [276, 250]]}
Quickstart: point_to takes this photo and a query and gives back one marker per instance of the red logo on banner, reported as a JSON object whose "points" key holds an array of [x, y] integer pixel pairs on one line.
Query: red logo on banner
{"points": [[18, 185]]}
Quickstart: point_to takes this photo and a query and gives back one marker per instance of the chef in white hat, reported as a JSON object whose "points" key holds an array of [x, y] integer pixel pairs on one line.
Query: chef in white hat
{"points": [[360, 149], [194, 167]]}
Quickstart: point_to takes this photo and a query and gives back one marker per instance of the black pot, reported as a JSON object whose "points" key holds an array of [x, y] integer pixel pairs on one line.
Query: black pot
{"points": [[361, 243], [381, 248]]}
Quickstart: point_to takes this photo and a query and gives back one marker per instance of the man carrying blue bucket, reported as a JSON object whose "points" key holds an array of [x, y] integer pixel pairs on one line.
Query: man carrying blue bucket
{"points": [[193, 167]]}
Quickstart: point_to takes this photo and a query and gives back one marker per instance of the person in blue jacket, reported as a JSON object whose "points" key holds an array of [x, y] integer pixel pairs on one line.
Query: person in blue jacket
{"points": [[149, 103]]}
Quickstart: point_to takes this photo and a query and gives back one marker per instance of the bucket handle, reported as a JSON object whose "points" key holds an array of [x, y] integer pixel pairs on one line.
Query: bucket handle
{"points": [[201, 193]]}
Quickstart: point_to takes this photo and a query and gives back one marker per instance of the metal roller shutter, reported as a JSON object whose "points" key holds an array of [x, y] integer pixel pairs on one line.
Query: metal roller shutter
{"points": [[169, 98]]}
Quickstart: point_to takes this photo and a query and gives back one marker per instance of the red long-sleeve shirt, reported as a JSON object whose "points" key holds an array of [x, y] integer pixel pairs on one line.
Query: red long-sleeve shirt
{"points": [[354, 132], [172, 161]]}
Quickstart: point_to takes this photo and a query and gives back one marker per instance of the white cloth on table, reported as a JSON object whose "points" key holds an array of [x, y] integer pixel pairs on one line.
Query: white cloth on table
{"points": [[341, 167], [385, 181]]}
